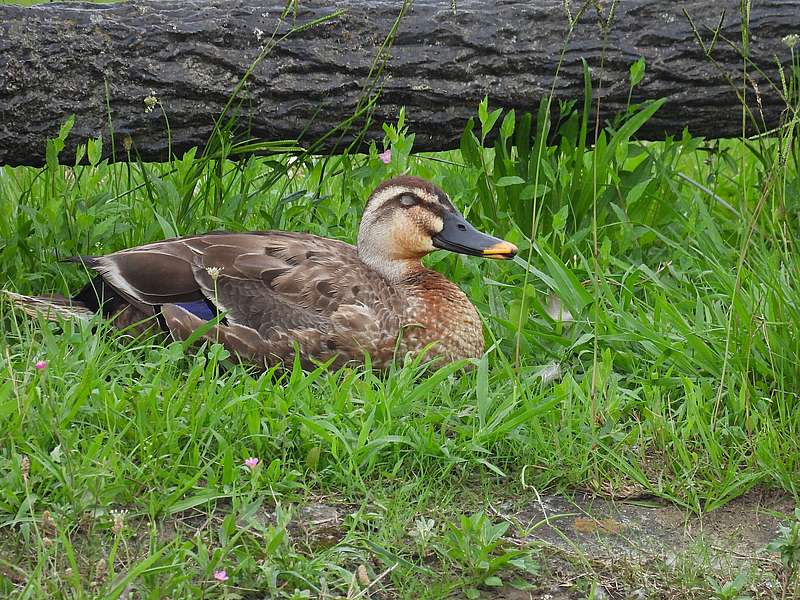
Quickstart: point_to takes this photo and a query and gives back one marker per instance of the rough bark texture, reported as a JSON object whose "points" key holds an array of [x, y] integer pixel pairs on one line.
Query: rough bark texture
{"points": [[82, 59]]}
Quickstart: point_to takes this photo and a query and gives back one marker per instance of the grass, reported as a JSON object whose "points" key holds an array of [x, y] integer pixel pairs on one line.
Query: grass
{"points": [[122, 461]]}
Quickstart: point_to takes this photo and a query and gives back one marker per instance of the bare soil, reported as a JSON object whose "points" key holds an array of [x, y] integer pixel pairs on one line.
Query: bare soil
{"points": [[647, 549]]}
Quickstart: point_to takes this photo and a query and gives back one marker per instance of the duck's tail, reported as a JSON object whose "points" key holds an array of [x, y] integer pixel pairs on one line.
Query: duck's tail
{"points": [[52, 308]]}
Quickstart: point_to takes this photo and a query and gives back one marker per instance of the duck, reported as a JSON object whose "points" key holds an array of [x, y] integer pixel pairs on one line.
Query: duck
{"points": [[270, 297]]}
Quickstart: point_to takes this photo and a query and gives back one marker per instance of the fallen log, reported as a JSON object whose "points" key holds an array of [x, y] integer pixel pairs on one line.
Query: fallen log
{"points": [[105, 63]]}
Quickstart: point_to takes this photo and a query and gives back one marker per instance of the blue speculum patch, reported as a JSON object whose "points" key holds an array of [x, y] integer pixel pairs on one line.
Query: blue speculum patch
{"points": [[199, 308]]}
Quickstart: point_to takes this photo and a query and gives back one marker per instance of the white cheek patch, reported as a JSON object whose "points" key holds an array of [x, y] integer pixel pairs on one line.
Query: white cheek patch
{"points": [[412, 234]]}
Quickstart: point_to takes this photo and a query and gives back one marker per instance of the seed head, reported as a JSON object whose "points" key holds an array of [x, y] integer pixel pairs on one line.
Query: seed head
{"points": [[48, 524], [119, 520], [363, 576], [25, 467], [101, 570]]}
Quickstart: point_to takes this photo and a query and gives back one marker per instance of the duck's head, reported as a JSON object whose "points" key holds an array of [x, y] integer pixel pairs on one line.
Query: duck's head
{"points": [[407, 218]]}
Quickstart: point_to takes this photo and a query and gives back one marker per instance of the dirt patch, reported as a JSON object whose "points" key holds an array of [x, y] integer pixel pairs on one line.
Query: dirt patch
{"points": [[646, 549], [316, 525], [650, 529]]}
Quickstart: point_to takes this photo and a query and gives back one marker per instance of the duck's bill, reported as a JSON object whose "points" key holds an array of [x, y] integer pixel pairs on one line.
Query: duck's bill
{"points": [[458, 235]]}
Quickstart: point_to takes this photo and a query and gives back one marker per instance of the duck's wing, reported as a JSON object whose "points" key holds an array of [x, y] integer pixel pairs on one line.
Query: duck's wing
{"points": [[260, 280], [276, 289]]}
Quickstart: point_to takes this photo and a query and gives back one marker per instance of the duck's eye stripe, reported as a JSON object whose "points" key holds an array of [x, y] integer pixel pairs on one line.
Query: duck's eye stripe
{"points": [[408, 200]]}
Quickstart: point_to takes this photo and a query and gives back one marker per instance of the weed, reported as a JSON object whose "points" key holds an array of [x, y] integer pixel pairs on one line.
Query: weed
{"points": [[476, 546], [731, 590], [787, 544]]}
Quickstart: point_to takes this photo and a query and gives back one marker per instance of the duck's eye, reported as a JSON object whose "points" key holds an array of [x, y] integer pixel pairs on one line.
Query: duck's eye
{"points": [[408, 200]]}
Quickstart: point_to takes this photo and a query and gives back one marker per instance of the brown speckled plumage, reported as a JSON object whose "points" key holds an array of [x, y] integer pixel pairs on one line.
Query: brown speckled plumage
{"points": [[284, 292]]}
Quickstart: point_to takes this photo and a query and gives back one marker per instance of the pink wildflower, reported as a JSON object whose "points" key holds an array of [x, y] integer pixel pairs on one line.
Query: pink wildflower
{"points": [[251, 463], [221, 575], [41, 365], [386, 156]]}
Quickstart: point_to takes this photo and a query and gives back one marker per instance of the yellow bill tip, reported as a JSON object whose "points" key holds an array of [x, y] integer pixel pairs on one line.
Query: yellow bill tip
{"points": [[500, 250]]}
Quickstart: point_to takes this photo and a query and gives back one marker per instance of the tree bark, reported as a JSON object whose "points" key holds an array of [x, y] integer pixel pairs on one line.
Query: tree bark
{"points": [[100, 62]]}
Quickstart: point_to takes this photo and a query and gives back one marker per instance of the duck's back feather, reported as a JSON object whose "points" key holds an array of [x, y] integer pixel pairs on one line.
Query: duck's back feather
{"points": [[276, 289]]}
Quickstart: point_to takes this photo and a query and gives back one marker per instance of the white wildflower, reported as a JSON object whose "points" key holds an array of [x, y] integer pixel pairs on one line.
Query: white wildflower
{"points": [[214, 272], [150, 102], [791, 40]]}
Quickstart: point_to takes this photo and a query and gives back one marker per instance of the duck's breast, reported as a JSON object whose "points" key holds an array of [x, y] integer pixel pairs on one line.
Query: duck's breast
{"points": [[440, 313]]}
